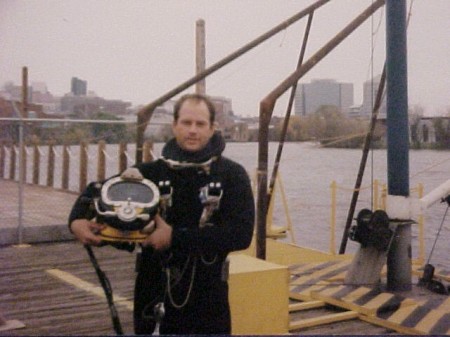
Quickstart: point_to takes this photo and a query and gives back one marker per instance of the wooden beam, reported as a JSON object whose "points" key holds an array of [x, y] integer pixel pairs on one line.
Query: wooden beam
{"points": [[321, 320], [305, 305]]}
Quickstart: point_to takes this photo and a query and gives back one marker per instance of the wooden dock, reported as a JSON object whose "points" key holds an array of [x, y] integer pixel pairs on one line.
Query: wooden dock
{"points": [[53, 290], [49, 287], [44, 213]]}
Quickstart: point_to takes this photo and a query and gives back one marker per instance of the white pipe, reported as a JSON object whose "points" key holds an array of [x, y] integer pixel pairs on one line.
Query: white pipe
{"points": [[435, 195]]}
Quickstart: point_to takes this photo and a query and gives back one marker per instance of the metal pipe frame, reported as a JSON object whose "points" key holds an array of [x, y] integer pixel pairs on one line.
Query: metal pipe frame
{"points": [[145, 114], [266, 109]]}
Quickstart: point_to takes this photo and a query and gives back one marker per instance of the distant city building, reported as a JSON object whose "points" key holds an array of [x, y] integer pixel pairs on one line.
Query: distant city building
{"points": [[224, 111], [309, 97], [370, 89], [14, 92], [78, 87], [87, 106], [40, 87], [13, 109]]}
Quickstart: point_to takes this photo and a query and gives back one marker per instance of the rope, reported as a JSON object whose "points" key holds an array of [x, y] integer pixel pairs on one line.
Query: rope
{"points": [[127, 155], [437, 235], [342, 138], [353, 189], [69, 151], [7, 151], [429, 168], [40, 151], [57, 155], [108, 156]]}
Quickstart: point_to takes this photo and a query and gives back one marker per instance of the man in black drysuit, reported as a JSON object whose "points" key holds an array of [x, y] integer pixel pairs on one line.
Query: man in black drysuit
{"points": [[183, 261]]}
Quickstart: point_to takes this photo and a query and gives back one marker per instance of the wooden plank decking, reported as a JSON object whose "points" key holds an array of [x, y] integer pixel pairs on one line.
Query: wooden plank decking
{"points": [[53, 290], [51, 287], [31, 291], [45, 213]]}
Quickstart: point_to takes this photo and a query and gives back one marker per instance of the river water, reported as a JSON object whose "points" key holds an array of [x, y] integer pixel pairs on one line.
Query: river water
{"points": [[307, 172]]}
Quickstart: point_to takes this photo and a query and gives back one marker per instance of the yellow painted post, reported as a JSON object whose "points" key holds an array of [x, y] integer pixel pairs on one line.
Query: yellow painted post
{"points": [[333, 217], [286, 209], [375, 194], [383, 196], [269, 219], [420, 221]]}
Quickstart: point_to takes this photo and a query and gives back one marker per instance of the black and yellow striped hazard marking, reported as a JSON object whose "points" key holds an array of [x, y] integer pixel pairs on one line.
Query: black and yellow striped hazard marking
{"points": [[414, 319], [319, 275], [309, 268], [393, 311], [363, 300], [322, 283], [314, 277]]}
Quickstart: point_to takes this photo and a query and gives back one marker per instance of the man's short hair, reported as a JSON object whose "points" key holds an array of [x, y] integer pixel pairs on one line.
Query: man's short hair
{"points": [[197, 98]]}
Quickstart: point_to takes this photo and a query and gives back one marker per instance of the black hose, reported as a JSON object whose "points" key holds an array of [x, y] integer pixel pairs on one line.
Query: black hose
{"points": [[108, 291]]}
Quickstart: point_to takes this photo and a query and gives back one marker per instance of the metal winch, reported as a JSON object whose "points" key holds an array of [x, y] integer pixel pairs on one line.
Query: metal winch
{"points": [[372, 229]]}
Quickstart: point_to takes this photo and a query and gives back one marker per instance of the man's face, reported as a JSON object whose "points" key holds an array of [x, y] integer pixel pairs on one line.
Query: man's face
{"points": [[193, 128]]}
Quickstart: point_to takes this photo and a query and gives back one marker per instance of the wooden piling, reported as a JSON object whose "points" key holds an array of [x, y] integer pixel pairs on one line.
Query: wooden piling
{"points": [[2, 160], [36, 164], [83, 165], [51, 165], [147, 151], [65, 167], [12, 163], [122, 156], [101, 160]]}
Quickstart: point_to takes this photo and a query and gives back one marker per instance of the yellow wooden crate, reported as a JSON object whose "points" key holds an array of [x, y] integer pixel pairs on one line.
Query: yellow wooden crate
{"points": [[259, 296]]}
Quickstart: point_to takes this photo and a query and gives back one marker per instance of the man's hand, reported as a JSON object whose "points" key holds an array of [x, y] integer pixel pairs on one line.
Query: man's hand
{"points": [[85, 231], [161, 237]]}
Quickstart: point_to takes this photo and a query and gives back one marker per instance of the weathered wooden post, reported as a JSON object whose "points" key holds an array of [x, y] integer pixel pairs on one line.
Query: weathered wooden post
{"points": [[122, 156], [65, 167], [36, 163], [23, 161], [2, 160], [12, 163], [101, 160], [147, 151], [83, 165], [51, 165]]}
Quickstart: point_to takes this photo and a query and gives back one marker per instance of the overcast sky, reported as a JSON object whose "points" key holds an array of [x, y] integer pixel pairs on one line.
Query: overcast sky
{"points": [[137, 50]]}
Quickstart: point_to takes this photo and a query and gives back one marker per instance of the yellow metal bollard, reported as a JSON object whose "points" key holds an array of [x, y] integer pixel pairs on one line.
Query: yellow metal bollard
{"points": [[333, 218]]}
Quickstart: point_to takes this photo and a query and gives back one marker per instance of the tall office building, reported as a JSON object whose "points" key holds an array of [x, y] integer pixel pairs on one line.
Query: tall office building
{"points": [[370, 89], [78, 87], [309, 97]]}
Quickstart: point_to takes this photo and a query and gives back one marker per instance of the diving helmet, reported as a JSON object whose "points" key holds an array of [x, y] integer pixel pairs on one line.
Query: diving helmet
{"points": [[127, 204]]}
